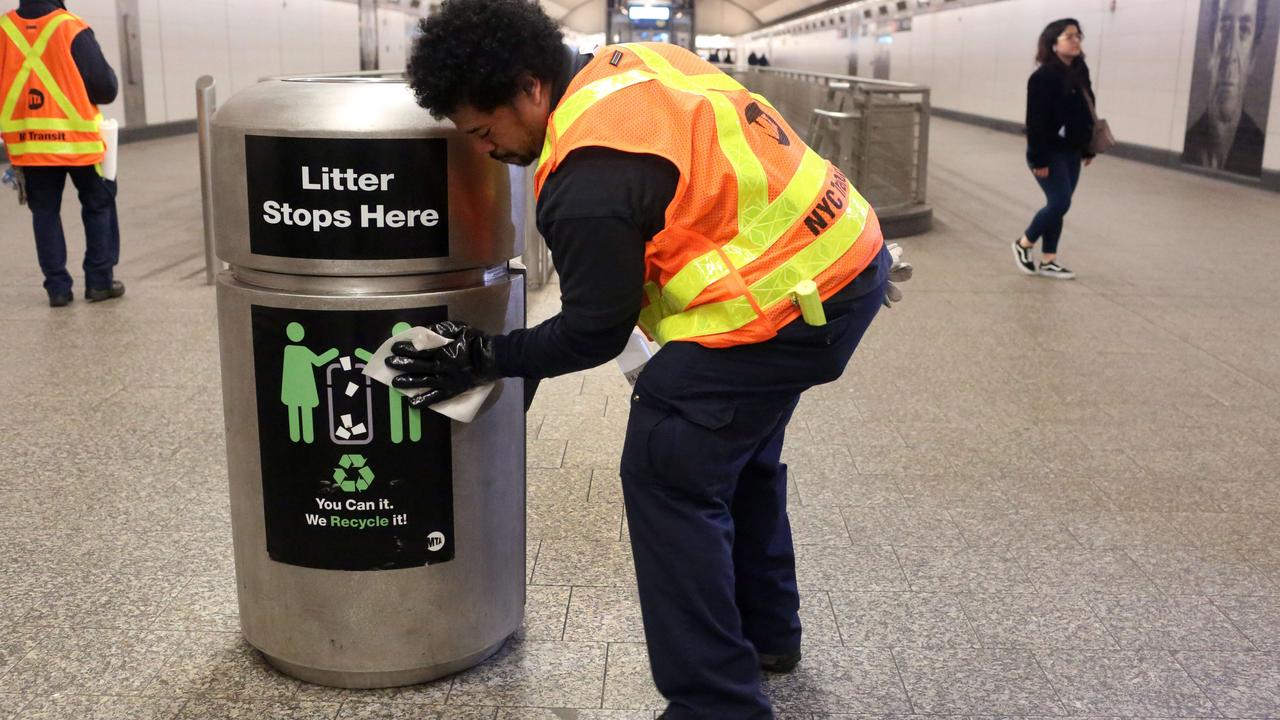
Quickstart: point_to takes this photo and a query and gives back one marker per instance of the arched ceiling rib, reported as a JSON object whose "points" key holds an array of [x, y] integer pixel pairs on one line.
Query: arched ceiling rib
{"points": [[723, 17]]}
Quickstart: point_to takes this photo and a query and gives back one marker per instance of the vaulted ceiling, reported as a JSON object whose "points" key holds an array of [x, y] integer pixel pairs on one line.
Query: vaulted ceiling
{"points": [[726, 17]]}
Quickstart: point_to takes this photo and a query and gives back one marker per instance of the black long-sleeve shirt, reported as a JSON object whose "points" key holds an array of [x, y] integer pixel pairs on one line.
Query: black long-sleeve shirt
{"points": [[99, 79], [1058, 117]]}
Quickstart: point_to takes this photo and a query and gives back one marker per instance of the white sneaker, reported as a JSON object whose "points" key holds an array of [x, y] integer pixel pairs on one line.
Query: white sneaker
{"points": [[1052, 269]]}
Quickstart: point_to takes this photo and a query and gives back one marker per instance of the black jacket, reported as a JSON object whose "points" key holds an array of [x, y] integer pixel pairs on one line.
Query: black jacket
{"points": [[1058, 116], [99, 79], [1245, 155]]}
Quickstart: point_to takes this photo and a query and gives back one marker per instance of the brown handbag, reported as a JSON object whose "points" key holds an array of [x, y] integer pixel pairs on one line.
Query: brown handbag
{"points": [[1102, 140]]}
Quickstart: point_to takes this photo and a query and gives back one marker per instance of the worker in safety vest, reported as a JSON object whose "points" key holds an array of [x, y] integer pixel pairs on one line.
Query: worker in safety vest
{"points": [[671, 197], [52, 79]]}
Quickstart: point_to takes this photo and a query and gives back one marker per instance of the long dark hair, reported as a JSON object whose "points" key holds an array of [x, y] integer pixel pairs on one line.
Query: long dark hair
{"points": [[1049, 36]]}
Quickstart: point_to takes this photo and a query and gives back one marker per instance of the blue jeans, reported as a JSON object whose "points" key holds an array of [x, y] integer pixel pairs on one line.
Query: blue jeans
{"points": [[706, 500], [101, 225], [1064, 173]]}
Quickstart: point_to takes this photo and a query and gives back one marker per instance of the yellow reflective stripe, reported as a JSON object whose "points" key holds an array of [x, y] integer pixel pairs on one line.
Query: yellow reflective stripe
{"points": [[34, 62], [753, 239], [753, 184], [715, 81], [807, 264], [651, 314], [572, 107], [51, 124], [57, 148]]}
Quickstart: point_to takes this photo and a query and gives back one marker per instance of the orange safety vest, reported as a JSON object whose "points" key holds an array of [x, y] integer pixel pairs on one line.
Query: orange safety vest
{"points": [[46, 117], [756, 212]]}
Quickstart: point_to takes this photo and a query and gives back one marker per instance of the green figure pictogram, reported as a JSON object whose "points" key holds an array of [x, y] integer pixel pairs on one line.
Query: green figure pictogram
{"points": [[363, 474], [298, 384], [396, 403]]}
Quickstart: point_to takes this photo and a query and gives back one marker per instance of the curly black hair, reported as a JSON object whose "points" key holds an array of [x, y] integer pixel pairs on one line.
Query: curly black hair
{"points": [[473, 52]]}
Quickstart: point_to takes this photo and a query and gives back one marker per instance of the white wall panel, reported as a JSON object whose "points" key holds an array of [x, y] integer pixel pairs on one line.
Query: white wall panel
{"points": [[253, 30], [340, 30], [392, 33], [300, 51], [152, 61], [193, 40]]}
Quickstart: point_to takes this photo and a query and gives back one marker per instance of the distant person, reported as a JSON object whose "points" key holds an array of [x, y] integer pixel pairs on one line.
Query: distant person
{"points": [[52, 132], [1225, 137], [753, 59], [714, 57], [728, 58], [1059, 129], [764, 60]]}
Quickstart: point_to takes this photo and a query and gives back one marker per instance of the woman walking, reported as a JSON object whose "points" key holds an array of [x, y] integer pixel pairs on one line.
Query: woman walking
{"points": [[1059, 129]]}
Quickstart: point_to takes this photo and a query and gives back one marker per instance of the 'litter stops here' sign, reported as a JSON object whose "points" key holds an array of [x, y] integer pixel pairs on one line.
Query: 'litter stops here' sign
{"points": [[347, 199]]}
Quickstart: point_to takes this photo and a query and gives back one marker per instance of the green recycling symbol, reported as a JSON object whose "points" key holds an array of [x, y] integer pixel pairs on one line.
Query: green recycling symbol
{"points": [[363, 475]]}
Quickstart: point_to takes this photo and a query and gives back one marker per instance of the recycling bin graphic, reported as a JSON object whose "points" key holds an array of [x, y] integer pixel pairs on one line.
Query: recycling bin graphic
{"points": [[376, 544]]}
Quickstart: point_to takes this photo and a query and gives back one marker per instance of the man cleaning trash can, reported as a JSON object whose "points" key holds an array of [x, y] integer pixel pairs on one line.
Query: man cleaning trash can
{"points": [[670, 196]]}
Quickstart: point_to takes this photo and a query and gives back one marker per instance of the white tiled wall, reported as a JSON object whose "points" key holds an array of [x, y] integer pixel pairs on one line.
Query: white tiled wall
{"points": [[238, 42], [977, 59]]}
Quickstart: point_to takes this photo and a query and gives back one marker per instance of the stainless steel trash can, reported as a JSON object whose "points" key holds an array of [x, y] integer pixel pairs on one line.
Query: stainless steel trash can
{"points": [[375, 545]]}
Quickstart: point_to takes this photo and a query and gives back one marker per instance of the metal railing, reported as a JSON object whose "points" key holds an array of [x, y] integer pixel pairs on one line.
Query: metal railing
{"points": [[875, 131]]}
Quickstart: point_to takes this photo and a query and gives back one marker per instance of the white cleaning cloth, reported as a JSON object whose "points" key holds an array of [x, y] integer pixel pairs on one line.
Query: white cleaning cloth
{"points": [[462, 408], [110, 130]]}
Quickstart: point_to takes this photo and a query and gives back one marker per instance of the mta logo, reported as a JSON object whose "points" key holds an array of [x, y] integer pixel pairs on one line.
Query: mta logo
{"points": [[755, 114], [35, 99]]}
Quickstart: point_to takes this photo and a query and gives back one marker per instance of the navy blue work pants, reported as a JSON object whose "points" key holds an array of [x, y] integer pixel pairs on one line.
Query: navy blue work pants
{"points": [[1064, 174], [101, 225], [706, 501]]}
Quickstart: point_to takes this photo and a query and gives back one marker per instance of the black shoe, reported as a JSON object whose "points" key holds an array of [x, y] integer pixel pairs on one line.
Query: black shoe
{"points": [[1022, 256], [61, 300], [115, 291], [1052, 269], [779, 663]]}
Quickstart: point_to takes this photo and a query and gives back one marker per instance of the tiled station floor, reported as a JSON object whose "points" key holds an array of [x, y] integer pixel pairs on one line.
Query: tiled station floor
{"points": [[1025, 497]]}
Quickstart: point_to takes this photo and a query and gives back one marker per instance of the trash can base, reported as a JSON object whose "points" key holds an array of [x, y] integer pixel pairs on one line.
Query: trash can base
{"points": [[369, 680]]}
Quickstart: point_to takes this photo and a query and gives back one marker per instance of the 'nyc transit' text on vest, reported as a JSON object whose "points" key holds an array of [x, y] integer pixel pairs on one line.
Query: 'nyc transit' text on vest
{"points": [[346, 180], [834, 200]]}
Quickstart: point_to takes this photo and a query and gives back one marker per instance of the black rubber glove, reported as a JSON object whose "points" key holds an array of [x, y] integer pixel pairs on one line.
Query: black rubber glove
{"points": [[449, 370]]}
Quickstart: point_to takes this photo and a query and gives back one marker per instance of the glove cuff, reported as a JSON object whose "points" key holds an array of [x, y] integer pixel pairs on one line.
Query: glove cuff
{"points": [[484, 360]]}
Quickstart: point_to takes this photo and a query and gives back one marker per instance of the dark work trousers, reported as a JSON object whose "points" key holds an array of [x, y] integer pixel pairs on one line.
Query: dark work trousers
{"points": [[1064, 173], [706, 501], [101, 225]]}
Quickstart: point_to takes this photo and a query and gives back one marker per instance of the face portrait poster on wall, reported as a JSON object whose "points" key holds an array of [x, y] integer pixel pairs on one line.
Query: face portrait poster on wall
{"points": [[1231, 85]]}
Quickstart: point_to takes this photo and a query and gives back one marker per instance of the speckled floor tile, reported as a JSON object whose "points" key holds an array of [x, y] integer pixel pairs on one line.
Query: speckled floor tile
{"points": [[1011, 529], [1107, 570], [1240, 684], [900, 526], [845, 679], [1257, 617], [629, 683], [560, 485], [817, 619], [1029, 621], [221, 665], [353, 710], [1053, 495], [218, 709], [1157, 495], [597, 522], [431, 693], [946, 491], [604, 614], [535, 674], [203, 603], [571, 714], [120, 662], [1202, 571], [866, 567], [105, 600], [1162, 622], [1101, 529], [544, 454], [907, 619], [15, 643], [830, 490], [817, 525], [579, 562], [11, 704], [1232, 530], [1127, 683], [998, 682], [92, 707], [963, 570], [544, 612], [606, 486]]}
